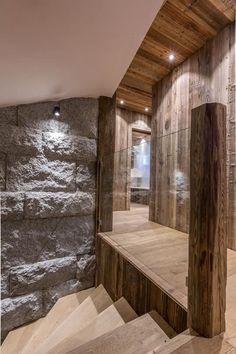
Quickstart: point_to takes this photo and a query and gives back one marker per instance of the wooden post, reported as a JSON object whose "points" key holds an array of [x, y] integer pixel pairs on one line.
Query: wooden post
{"points": [[207, 239], [106, 149]]}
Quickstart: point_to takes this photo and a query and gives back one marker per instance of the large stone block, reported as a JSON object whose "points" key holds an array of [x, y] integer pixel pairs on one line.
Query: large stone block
{"points": [[82, 115], [86, 176], [18, 140], [47, 205], [76, 236], [68, 146], [4, 285], [2, 171], [31, 241], [19, 310], [42, 275], [51, 295], [86, 266], [12, 205], [27, 241], [39, 174], [8, 115]]}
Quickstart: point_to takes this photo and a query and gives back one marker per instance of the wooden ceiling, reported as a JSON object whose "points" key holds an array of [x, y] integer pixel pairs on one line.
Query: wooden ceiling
{"points": [[181, 27]]}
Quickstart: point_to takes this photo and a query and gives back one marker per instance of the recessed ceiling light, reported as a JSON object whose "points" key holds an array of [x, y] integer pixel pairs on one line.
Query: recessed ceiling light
{"points": [[146, 109], [171, 57], [122, 102]]}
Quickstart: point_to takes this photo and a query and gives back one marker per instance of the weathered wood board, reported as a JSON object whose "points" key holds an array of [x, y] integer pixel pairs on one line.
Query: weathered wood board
{"points": [[106, 148], [121, 278], [207, 272], [207, 76]]}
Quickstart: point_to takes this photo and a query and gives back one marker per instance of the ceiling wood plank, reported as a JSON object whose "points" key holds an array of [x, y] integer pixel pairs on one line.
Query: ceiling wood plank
{"points": [[181, 27]]}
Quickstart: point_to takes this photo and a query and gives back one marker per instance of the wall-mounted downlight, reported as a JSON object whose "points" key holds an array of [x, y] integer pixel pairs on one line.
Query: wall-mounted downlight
{"points": [[56, 111]]}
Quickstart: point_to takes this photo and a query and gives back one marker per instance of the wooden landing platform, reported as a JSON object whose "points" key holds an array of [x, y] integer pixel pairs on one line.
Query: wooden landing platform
{"points": [[147, 263]]}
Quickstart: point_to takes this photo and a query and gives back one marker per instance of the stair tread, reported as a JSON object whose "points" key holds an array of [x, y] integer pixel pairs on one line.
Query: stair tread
{"points": [[86, 312], [191, 343], [106, 321], [17, 338], [58, 313], [138, 336], [125, 310]]}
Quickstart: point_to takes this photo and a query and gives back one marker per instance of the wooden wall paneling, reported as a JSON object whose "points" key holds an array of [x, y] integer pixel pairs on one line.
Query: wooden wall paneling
{"points": [[168, 308], [207, 238], [153, 159], [120, 189], [231, 144], [134, 287], [181, 172], [205, 77], [107, 265], [124, 279], [106, 148]]}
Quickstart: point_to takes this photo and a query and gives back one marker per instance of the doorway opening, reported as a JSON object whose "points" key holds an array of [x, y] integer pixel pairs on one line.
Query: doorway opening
{"points": [[140, 167]]}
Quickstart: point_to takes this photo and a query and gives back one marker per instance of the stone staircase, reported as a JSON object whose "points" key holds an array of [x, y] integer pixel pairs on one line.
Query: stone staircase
{"points": [[89, 322]]}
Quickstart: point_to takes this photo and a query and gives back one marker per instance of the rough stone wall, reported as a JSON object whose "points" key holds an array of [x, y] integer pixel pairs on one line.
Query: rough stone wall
{"points": [[48, 184]]}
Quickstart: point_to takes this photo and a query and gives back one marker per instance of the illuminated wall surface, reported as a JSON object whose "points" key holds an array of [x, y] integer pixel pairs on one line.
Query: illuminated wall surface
{"points": [[48, 183], [140, 169]]}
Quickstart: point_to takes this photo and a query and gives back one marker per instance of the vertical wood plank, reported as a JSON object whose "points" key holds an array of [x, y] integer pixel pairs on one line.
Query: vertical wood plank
{"points": [[106, 148], [207, 238], [231, 143]]}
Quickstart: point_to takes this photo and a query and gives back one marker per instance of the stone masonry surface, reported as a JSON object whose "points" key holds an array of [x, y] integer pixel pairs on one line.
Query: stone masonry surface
{"points": [[48, 196]]}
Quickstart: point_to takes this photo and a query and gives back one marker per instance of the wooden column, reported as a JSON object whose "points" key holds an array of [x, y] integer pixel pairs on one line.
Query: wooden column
{"points": [[106, 149], [207, 239]]}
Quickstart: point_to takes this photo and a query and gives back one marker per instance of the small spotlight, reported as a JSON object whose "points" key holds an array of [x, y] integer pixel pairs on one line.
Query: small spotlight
{"points": [[146, 109], [171, 57], [56, 111], [122, 102]]}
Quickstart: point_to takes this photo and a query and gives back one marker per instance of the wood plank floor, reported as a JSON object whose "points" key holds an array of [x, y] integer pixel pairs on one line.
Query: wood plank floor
{"points": [[161, 253]]}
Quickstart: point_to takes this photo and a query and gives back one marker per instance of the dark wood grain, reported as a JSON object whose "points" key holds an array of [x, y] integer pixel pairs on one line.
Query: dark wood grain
{"points": [[106, 148], [207, 238]]}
